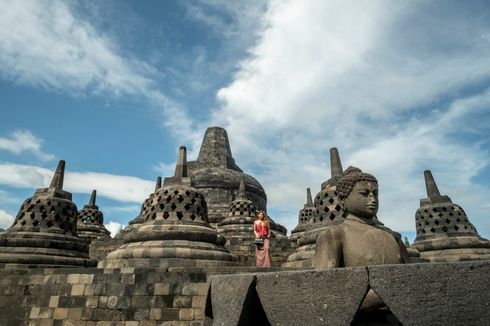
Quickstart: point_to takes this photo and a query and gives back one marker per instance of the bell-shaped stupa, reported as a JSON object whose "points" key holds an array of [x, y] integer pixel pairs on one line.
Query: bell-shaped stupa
{"points": [[90, 224], [305, 216], [175, 232], [44, 231], [237, 228], [328, 210], [216, 175], [444, 232]]}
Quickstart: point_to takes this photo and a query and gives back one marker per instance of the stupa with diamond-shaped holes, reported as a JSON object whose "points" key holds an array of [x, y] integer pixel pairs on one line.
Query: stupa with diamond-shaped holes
{"points": [[44, 231], [444, 232], [90, 225], [328, 210], [175, 232]]}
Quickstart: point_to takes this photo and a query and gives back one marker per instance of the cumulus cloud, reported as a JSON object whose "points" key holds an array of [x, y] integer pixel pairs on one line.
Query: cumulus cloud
{"points": [[21, 141], [48, 44], [117, 187], [114, 227], [6, 219], [398, 87]]}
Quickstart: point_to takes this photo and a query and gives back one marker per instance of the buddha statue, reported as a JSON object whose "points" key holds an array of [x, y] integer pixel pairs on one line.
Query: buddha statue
{"points": [[361, 240]]}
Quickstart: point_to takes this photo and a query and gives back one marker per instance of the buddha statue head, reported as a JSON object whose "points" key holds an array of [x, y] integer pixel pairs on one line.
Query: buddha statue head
{"points": [[359, 192]]}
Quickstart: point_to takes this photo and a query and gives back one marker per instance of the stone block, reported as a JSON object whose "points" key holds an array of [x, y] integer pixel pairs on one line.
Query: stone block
{"points": [[155, 314], [140, 301], [170, 314], [181, 301], [60, 313], [89, 289], [315, 294], [198, 301], [75, 313], [186, 314], [162, 289], [86, 278], [53, 301], [73, 278], [227, 299], [436, 293], [77, 289], [189, 289]]}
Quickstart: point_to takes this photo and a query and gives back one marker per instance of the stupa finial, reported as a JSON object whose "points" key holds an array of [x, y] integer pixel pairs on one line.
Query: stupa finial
{"points": [[181, 167], [181, 173], [158, 184], [241, 190], [92, 198], [309, 200], [335, 164], [430, 185], [59, 174]]}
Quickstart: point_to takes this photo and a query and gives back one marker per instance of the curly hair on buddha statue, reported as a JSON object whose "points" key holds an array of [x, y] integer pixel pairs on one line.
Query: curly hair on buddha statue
{"points": [[350, 177]]}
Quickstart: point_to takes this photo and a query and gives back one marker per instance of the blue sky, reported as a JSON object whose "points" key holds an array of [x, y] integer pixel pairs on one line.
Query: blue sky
{"points": [[115, 87]]}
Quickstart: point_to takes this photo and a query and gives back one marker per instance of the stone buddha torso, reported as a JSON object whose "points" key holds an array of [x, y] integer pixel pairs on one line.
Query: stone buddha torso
{"points": [[365, 244], [360, 240]]}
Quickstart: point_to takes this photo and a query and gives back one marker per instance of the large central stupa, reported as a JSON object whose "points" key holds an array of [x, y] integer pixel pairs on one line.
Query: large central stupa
{"points": [[216, 175]]}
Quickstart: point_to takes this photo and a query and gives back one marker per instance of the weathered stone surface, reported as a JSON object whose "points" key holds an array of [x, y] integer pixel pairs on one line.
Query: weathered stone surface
{"points": [[444, 232], [175, 232], [90, 225], [235, 307], [329, 297], [435, 294], [328, 211], [305, 215], [44, 231], [237, 228], [361, 240]]}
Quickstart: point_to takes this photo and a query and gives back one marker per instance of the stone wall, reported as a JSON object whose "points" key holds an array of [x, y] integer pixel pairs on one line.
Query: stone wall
{"points": [[413, 294], [105, 297]]}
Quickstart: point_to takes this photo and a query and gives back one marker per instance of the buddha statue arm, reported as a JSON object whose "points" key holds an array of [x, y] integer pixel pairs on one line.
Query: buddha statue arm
{"points": [[328, 252]]}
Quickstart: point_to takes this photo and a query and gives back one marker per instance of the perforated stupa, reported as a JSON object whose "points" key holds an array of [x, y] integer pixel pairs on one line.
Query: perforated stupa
{"points": [[44, 231], [328, 210], [90, 223], [444, 232], [305, 215], [175, 232]]}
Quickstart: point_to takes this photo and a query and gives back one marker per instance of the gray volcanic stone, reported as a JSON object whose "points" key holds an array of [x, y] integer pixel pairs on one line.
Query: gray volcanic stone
{"points": [[444, 232], [44, 231], [217, 176], [305, 215], [233, 300], [175, 232], [90, 223], [329, 297], [435, 294], [328, 210], [237, 228]]}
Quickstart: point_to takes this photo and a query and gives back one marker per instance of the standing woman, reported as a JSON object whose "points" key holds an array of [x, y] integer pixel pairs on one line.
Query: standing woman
{"points": [[262, 230]]}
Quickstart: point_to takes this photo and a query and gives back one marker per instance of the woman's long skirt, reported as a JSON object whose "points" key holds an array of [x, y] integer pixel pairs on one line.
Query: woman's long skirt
{"points": [[262, 255]]}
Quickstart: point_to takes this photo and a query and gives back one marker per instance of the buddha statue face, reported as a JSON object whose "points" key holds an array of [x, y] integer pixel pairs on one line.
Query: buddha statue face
{"points": [[362, 201]]}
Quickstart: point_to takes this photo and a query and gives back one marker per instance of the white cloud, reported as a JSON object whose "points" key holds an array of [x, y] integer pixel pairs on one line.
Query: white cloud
{"points": [[395, 86], [114, 227], [46, 44], [117, 187], [23, 141], [6, 219]]}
